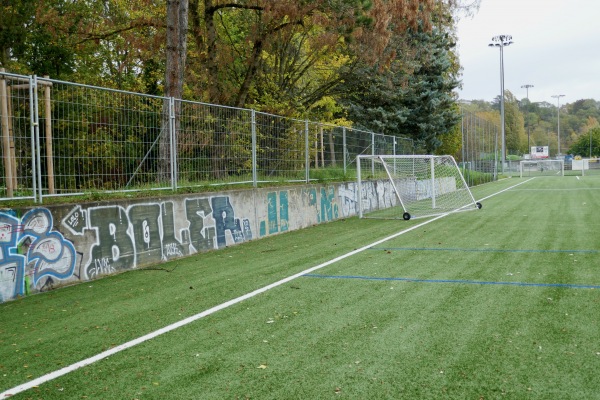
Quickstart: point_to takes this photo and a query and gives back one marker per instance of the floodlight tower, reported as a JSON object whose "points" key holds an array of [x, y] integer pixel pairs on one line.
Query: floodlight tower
{"points": [[501, 41], [557, 97], [526, 87]]}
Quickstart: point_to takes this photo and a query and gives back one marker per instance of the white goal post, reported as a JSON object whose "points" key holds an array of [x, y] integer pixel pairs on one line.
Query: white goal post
{"points": [[543, 167], [410, 186]]}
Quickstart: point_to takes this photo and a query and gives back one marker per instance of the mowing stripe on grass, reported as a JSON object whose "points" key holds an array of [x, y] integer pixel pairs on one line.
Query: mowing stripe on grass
{"points": [[485, 250], [504, 190], [73, 367], [462, 282]]}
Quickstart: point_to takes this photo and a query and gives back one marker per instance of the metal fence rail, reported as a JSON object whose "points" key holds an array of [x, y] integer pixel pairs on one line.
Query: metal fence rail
{"points": [[61, 138]]}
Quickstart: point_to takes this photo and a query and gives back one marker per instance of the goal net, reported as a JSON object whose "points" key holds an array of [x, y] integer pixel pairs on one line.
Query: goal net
{"points": [[542, 168], [405, 187]]}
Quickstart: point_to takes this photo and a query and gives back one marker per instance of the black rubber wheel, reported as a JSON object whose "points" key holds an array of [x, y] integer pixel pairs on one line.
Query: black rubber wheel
{"points": [[479, 205], [406, 216]]}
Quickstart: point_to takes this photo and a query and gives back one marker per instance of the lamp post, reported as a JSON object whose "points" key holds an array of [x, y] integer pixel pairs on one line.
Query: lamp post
{"points": [[557, 97], [526, 87], [501, 41]]}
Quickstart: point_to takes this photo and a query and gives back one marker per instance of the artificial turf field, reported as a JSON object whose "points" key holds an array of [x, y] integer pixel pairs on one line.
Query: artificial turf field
{"points": [[498, 303]]}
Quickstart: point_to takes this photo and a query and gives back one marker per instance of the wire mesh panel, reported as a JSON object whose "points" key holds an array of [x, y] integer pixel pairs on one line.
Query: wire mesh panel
{"points": [[280, 148], [479, 156], [214, 145], [18, 161], [360, 142], [102, 140], [326, 151]]}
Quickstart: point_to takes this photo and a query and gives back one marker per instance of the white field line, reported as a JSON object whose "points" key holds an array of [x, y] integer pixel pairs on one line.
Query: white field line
{"points": [[70, 368]]}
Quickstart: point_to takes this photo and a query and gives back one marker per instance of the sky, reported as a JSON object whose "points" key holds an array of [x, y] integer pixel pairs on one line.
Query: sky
{"points": [[556, 48]]}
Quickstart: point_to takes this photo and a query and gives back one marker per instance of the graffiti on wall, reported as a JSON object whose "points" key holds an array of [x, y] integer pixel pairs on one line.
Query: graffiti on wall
{"points": [[32, 253], [277, 214], [90, 242], [148, 233]]}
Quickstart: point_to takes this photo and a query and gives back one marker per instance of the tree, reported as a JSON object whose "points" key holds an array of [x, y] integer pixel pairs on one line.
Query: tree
{"points": [[413, 94], [15, 20], [515, 137], [588, 144]]}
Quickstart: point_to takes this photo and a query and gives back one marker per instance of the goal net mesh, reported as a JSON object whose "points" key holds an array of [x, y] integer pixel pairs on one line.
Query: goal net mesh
{"points": [[542, 168], [405, 187]]}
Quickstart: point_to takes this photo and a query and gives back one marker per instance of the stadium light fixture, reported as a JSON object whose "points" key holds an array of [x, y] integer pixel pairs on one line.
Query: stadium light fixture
{"points": [[502, 41], [557, 97], [526, 87]]}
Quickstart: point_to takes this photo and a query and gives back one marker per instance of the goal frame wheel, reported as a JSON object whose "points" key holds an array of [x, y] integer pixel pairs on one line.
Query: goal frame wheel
{"points": [[479, 205], [406, 216]]}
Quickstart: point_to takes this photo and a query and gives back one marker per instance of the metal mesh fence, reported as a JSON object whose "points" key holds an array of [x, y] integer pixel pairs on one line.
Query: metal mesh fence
{"points": [[61, 138], [479, 156], [101, 139]]}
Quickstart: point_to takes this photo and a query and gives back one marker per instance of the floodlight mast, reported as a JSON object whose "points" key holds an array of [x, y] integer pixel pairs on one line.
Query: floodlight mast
{"points": [[501, 41], [557, 97]]}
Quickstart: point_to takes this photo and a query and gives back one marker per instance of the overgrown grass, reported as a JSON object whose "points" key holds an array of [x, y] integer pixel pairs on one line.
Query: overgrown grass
{"points": [[460, 308]]}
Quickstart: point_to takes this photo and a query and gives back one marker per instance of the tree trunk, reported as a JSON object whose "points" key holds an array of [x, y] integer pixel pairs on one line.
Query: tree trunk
{"points": [[177, 26]]}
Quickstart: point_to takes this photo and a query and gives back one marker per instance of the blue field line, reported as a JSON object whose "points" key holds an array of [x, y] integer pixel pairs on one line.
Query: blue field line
{"points": [[462, 282], [485, 250]]}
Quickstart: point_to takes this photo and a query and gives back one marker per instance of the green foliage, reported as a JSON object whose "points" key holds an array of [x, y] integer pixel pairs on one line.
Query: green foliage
{"points": [[516, 139], [413, 100], [475, 178], [587, 145]]}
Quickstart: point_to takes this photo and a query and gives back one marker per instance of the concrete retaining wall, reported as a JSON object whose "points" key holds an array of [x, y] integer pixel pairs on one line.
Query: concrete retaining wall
{"points": [[43, 248]]}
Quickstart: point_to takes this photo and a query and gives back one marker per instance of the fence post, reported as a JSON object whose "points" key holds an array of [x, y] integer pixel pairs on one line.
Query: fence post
{"points": [[372, 143], [344, 149], [8, 172], [322, 142], [35, 138], [173, 143], [306, 151], [254, 167]]}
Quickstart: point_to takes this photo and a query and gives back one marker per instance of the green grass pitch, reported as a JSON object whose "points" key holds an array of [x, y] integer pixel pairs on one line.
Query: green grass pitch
{"points": [[497, 303]]}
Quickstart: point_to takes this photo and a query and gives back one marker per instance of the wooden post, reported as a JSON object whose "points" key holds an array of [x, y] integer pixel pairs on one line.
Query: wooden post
{"points": [[331, 147], [49, 160], [6, 153], [316, 149], [322, 147], [11, 136]]}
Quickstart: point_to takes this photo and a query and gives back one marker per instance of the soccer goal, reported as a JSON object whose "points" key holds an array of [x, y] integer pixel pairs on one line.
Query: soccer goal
{"points": [[405, 187], [542, 168]]}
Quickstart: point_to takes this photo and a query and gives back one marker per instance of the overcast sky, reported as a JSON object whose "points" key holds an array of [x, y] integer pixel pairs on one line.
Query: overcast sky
{"points": [[556, 49]]}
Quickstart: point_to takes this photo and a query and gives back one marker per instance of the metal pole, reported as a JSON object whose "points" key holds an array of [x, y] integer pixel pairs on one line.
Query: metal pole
{"points": [[502, 105], [557, 97], [254, 142], [501, 41]]}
